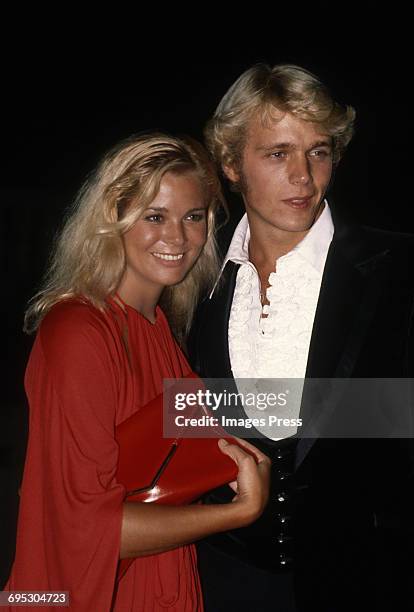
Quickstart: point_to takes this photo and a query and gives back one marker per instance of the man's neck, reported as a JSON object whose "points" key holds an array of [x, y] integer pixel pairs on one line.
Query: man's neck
{"points": [[265, 247], [268, 243]]}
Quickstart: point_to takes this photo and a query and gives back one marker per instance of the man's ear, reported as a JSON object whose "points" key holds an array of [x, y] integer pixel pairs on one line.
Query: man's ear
{"points": [[231, 174]]}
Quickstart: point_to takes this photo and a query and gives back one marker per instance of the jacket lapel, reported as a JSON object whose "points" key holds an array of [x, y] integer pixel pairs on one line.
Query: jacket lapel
{"points": [[351, 284], [215, 347]]}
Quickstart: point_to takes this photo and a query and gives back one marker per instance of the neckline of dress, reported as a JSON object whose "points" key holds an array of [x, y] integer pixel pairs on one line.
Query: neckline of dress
{"points": [[126, 308]]}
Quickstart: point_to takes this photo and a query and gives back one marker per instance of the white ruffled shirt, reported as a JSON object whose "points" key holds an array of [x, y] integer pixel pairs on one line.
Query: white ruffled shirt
{"points": [[276, 346]]}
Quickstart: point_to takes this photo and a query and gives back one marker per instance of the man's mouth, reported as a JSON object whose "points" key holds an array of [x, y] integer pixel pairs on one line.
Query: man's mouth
{"points": [[298, 202]]}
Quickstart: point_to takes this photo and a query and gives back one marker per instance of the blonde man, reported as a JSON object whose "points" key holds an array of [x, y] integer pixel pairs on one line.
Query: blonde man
{"points": [[301, 295]]}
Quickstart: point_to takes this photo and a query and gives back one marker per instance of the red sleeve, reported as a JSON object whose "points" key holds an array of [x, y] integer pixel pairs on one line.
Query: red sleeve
{"points": [[71, 504]]}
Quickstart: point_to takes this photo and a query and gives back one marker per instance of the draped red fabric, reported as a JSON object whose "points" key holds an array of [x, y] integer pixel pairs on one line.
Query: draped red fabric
{"points": [[81, 384]]}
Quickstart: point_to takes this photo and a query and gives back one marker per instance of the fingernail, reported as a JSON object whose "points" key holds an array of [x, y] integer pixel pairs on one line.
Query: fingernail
{"points": [[223, 442]]}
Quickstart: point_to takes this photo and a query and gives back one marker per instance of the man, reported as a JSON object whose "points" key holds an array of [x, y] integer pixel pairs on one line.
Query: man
{"points": [[302, 295]]}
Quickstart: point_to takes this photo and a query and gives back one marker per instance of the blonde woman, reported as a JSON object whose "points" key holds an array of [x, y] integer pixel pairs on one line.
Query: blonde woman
{"points": [[142, 230]]}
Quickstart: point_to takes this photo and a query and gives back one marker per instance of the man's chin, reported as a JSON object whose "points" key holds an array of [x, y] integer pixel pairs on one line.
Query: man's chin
{"points": [[303, 224], [297, 228]]}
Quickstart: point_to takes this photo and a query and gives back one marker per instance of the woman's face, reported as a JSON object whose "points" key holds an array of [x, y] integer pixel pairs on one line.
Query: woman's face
{"points": [[167, 239]]}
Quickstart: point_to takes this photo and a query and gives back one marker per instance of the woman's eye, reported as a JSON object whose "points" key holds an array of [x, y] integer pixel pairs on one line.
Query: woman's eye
{"points": [[196, 217], [154, 218]]}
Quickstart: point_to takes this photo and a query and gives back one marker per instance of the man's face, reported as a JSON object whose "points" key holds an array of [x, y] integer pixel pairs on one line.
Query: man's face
{"points": [[285, 171]]}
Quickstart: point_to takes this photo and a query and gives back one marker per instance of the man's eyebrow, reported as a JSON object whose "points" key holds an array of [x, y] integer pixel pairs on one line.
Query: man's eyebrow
{"points": [[284, 146], [275, 145], [322, 143]]}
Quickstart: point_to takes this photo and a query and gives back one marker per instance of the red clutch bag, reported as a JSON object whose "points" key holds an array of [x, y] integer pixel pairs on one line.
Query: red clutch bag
{"points": [[170, 471]]}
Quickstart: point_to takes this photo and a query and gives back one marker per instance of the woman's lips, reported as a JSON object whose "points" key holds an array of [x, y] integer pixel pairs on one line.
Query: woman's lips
{"points": [[298, 202], [170, 260]]}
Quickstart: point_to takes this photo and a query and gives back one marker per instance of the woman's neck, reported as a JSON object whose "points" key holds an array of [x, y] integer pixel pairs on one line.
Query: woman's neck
{"points": [[143, 303]]}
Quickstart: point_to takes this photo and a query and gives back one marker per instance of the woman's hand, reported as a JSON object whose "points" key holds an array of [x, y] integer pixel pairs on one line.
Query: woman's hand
{"points": [[148, 529], [253, 479]]}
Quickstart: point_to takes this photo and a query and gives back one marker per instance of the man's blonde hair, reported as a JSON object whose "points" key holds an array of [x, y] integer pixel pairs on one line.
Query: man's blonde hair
{"points": [[267, 92], [88, 259]]}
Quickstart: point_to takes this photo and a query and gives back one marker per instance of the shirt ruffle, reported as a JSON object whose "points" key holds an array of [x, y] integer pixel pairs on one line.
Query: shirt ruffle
{"points": [[275, 346]]}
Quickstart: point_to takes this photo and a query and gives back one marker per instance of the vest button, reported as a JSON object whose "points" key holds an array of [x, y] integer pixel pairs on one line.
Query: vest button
{"points": [[284, 561], [282, 454], [283, 519], [282, 475], [282, 538]]}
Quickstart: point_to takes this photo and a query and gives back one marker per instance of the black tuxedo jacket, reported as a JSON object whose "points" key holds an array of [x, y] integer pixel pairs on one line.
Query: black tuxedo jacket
{"points": [[352, 498]]}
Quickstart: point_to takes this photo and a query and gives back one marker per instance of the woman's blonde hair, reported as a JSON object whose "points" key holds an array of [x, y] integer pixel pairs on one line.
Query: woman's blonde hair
{"points": [[267, 92], [88, 258]]}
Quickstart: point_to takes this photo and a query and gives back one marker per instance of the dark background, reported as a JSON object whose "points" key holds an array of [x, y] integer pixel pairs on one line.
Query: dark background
{"points": [[59, 118]]}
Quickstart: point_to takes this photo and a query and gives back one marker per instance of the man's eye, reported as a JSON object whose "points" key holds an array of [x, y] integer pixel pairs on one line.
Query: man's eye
{"points": [[278, 154], [320, 153]]}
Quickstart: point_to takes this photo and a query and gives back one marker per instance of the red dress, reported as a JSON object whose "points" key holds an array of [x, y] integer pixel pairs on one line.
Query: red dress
{"points": [[80, 385]]}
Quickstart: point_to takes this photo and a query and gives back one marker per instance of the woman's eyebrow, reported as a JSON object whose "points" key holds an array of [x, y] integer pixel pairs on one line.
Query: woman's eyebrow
{"points": [[163, 209]]}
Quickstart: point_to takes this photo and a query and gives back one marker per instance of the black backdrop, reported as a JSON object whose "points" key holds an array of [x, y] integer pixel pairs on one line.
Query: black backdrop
{"points": [[59, 120]]}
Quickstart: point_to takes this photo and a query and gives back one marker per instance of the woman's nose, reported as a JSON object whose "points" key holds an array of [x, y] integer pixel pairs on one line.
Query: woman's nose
{"points": [[174, 233]]}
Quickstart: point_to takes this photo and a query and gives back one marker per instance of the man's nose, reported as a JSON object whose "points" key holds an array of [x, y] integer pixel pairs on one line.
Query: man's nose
{"points": [[300, 173]]}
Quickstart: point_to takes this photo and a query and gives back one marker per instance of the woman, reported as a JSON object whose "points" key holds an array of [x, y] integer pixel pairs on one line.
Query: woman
{"points": [[143, 224]]}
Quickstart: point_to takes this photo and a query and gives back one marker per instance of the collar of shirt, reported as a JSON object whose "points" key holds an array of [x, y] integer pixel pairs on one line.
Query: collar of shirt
{"points": [[313, 248]]}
